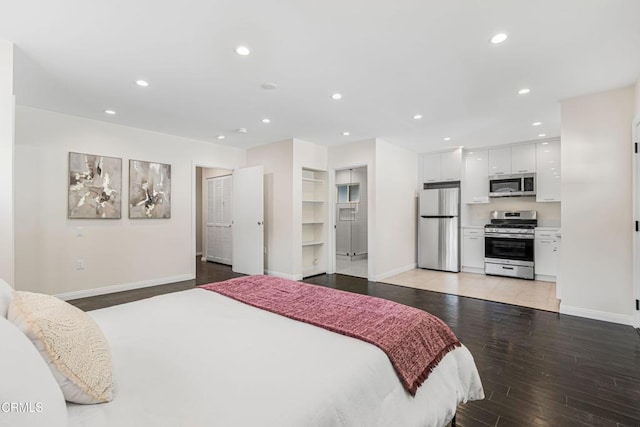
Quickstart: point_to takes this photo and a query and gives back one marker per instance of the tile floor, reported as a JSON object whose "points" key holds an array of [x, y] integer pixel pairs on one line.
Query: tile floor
{"points": [[357, 268], [526, 293]]}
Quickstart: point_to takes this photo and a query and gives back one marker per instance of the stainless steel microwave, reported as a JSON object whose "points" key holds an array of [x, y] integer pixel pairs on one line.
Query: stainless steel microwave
{"points": [[522, 184]]}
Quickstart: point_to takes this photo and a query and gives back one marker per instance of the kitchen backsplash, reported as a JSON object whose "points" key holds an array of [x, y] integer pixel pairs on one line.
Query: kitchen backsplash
{"points": [[478, 214]]}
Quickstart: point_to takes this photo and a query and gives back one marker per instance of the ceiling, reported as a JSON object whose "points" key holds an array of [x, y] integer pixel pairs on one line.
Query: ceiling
{"points": [[389, 59]]}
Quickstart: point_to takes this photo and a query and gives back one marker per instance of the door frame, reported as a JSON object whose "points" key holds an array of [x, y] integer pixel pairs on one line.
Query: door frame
{"points": [[635, 317], [333, 196], [206, 165]]}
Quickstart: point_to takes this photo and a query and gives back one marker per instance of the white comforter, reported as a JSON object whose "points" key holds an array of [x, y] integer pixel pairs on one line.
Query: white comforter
{"points": [[196, 358]]}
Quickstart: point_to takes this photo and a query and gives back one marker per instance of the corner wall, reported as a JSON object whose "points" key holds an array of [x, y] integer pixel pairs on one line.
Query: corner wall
{"points": [[596, 263], [277, 160], [118, 254], [396, 203], [7, 251]]}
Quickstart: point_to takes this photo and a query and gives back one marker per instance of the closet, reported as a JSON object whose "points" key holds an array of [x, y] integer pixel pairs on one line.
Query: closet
{"points": [[219, 231]]}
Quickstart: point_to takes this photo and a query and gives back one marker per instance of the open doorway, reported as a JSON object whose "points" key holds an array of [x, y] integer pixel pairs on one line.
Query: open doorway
{"points": [[351, 222], [228, 219], [214, 238]]}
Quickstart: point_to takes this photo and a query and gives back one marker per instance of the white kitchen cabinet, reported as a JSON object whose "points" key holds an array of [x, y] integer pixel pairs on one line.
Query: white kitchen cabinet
{"points": [[451, 165], [473, 249], [500, 161], [523, 158], [545, 255], [431, 167], [475, 183], [440, 167], [548, 171]]}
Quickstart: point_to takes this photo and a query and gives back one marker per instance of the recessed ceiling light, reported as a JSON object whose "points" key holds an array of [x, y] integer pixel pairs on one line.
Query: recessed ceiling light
{"points": [[269, 86], [536, 123], [243, 50], [524, 91], [220, 136], [447, 139], [241, 130], [265, 120], [336, 96], [346, 133], [142, 83], [110, 112], [417, 116], [498, 38], [542, 135], [545, 143]]}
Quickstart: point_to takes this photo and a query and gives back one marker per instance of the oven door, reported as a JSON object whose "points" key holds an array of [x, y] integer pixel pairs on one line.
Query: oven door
{"points": [[509, 249]]}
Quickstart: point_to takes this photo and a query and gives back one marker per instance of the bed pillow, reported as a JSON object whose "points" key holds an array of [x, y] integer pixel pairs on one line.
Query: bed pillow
{"points": [[29, 395], [70, 342], [6, 293]]}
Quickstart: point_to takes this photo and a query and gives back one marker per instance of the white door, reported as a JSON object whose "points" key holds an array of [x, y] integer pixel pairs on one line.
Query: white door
{"points": [[248, 220]]}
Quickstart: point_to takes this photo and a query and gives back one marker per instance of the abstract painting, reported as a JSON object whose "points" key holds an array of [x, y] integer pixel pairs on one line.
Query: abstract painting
{"points": [[95, 187], [149, 190]]}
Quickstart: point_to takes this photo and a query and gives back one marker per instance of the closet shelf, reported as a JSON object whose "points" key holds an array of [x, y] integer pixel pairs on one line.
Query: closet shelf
{"points": [[312, 180], [312, 222], [316, 243], [313, 201]]}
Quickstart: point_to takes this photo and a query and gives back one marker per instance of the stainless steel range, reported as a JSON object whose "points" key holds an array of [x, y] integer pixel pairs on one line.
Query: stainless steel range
{"points": [[509, 243]]}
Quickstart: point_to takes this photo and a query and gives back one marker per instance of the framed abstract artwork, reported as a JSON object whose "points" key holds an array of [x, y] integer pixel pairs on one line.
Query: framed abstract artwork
{"points": [[95, 187], [149, 190]]}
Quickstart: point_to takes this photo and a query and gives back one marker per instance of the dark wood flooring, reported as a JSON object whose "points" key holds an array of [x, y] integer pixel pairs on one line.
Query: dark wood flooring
{"points": [[538, 368]]}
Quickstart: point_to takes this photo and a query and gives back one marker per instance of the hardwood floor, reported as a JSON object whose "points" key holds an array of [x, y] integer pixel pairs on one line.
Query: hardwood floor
{"points": [[538, 368]]}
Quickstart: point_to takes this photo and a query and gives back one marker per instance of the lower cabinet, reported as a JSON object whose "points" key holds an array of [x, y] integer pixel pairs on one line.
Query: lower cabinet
{"points": [[472, 249], [546, 254]]}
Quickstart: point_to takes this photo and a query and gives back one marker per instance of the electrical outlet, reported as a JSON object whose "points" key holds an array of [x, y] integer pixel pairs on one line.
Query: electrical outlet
{"points": [[79, 264]]}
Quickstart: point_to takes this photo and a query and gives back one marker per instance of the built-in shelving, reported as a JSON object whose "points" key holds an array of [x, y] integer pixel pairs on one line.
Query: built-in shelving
{"points": [[314, 217]]}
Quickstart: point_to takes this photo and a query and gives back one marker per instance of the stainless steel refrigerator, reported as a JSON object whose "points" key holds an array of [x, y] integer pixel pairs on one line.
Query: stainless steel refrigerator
{"points": [[439, 229]]}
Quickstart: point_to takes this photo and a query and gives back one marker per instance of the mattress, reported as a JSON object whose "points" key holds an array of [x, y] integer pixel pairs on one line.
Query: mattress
{"points": [[197, 358]]}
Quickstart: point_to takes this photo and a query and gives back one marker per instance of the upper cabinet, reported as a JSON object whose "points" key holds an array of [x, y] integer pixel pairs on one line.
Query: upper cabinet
{"points": [[475, 188], [548, 172], [523, 158], [431, 168], [500, 161], [442, 166], [511, 160]]}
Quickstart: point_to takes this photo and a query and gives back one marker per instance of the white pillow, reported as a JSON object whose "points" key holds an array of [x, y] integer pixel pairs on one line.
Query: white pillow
{"points": [[6, 293], [29, 395], [70, 342]]}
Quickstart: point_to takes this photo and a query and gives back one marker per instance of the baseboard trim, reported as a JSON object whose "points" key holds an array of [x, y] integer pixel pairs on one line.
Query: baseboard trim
{"points": [[387, 274], [474, 270], [545, 278], [124, 287], [283, 275], [596, 315], [199, 253]]}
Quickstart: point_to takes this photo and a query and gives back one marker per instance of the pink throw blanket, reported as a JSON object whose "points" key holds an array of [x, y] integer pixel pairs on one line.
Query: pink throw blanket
{"points": [[414, 340]]}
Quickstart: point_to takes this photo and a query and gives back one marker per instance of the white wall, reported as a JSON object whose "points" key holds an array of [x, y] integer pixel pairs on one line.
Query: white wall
{"points": [[117, 253], [396, 209], [596, 262], [6, 162], [277, 160]]}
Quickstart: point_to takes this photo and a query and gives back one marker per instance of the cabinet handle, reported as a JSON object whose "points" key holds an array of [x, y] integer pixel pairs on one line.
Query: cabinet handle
{"points": [[549, 200], [523, 171], [473, 238], [545, 241]]}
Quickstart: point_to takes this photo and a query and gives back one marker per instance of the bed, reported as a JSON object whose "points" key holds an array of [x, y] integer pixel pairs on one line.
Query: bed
{"points": [[196, 358]]}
